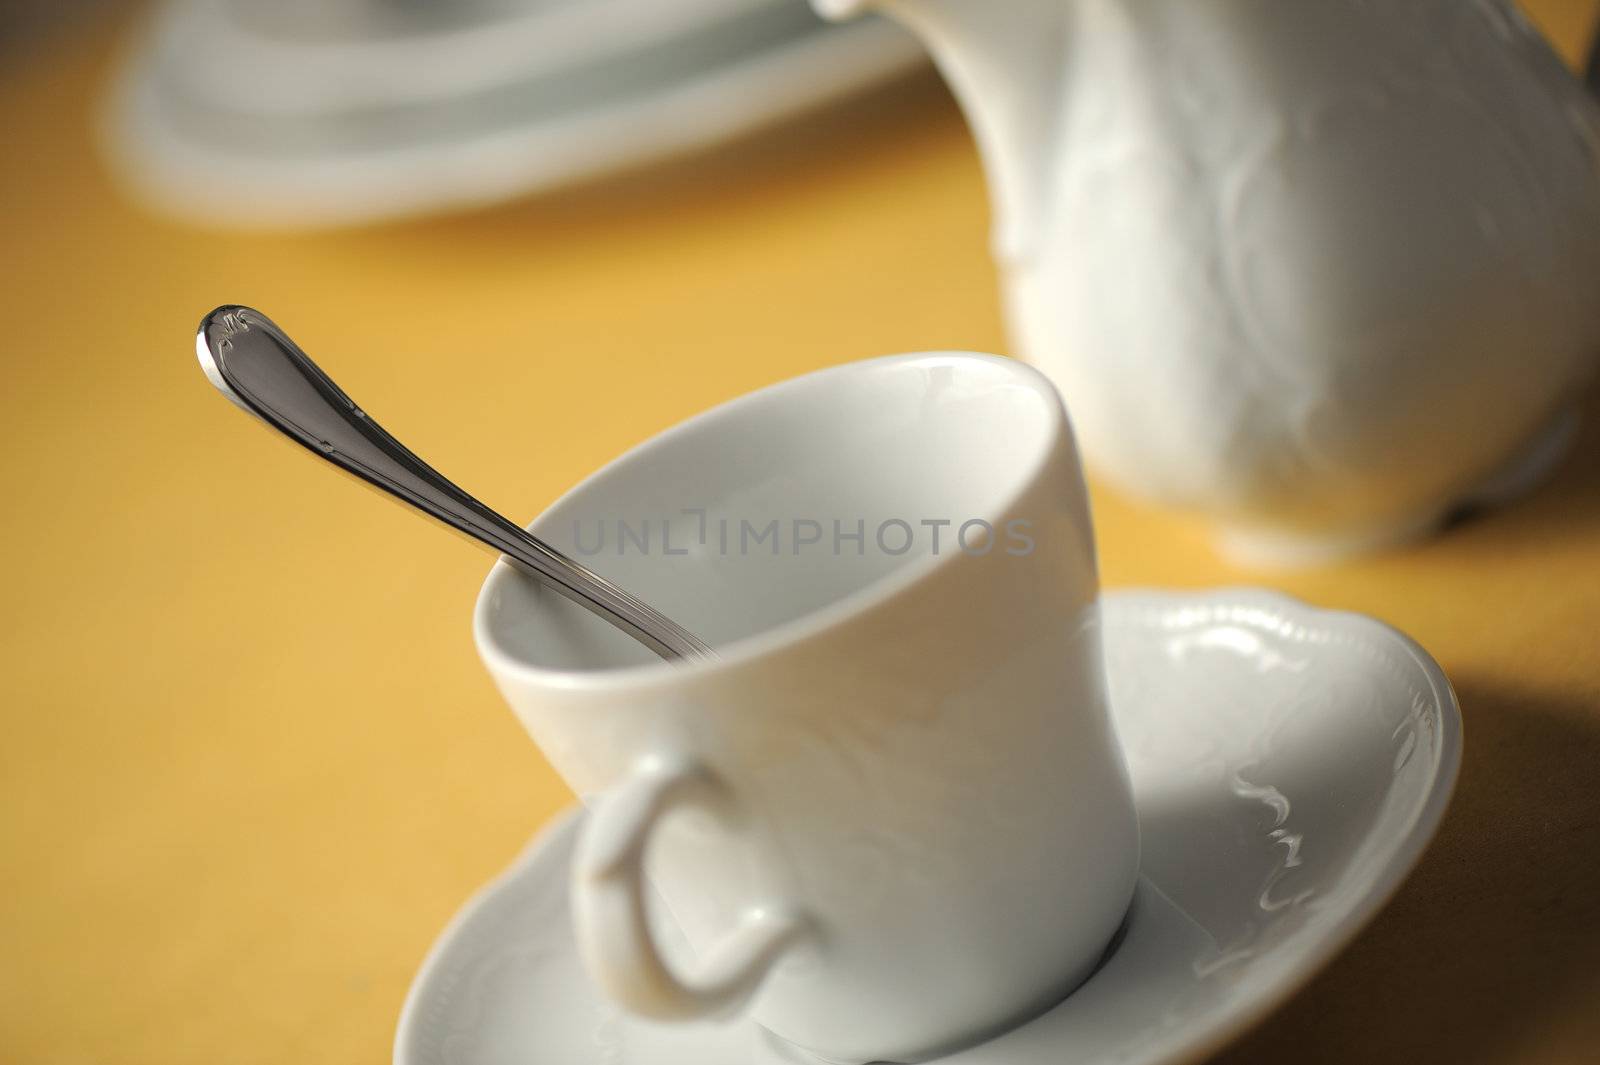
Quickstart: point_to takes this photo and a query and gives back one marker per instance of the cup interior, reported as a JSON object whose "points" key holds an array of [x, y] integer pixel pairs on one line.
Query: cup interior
{"points": [[815, 494]]}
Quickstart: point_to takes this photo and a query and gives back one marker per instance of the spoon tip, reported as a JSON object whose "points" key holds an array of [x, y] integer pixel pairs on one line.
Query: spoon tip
{"points": [[214, 341]]}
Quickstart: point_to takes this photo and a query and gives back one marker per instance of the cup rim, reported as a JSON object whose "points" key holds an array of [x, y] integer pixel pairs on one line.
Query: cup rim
{"points": [[813, 623]]}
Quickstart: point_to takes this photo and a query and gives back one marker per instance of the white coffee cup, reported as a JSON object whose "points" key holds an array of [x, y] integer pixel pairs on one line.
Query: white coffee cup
{"points": [[893, 818]]}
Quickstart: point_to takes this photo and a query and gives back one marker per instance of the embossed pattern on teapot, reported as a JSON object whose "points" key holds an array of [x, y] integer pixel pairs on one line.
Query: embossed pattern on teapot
{"points": [[1324, 271]]}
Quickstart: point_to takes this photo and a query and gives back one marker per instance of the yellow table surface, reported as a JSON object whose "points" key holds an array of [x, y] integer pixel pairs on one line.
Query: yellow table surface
{"points": [[250, 764]]}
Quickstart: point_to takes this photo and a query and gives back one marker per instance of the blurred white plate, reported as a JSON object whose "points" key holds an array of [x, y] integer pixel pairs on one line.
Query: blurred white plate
{"points": [[322, 114]]}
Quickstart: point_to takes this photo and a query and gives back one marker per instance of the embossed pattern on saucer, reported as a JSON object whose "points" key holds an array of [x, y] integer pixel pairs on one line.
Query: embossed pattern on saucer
{"points": [[1290, 766]]}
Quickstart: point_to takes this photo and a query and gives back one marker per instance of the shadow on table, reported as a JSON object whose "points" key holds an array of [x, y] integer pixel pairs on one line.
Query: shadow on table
{"points": [[1566, 503], [1499, 925]]}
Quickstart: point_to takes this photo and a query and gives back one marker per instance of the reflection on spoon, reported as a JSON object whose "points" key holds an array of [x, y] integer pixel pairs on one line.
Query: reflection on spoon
{"points": [[257, 366]]}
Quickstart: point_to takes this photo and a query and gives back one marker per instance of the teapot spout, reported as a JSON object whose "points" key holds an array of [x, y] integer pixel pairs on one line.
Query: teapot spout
{"points": [[1005, 62]]}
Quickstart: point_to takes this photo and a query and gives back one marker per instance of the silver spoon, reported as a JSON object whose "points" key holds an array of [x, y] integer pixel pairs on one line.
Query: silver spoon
{"points": [[257, 366]]}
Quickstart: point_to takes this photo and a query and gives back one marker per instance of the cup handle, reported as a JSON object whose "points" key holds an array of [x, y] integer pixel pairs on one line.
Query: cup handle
{"points": [[610, 914]]}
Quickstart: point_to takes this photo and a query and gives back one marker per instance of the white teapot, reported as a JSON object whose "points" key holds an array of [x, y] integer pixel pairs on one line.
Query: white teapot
{"points": [[1323, 269]]}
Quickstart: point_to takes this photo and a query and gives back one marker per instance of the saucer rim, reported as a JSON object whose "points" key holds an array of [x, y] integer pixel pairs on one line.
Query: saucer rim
{"points": [[1411, 844], [1132, 603]]}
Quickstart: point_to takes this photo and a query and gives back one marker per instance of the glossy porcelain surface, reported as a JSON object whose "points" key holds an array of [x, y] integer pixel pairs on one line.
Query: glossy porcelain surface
{"points": [[1289, 765], [312, 113], [852, 810], [1322, 273]]}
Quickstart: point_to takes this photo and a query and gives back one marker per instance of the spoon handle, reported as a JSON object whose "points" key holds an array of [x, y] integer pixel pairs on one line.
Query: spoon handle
{"points": [[257, 366]]}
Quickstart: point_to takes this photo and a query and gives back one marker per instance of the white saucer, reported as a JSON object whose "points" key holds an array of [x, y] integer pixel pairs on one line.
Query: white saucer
{"points": [[256, 116], [1290, 766]]}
